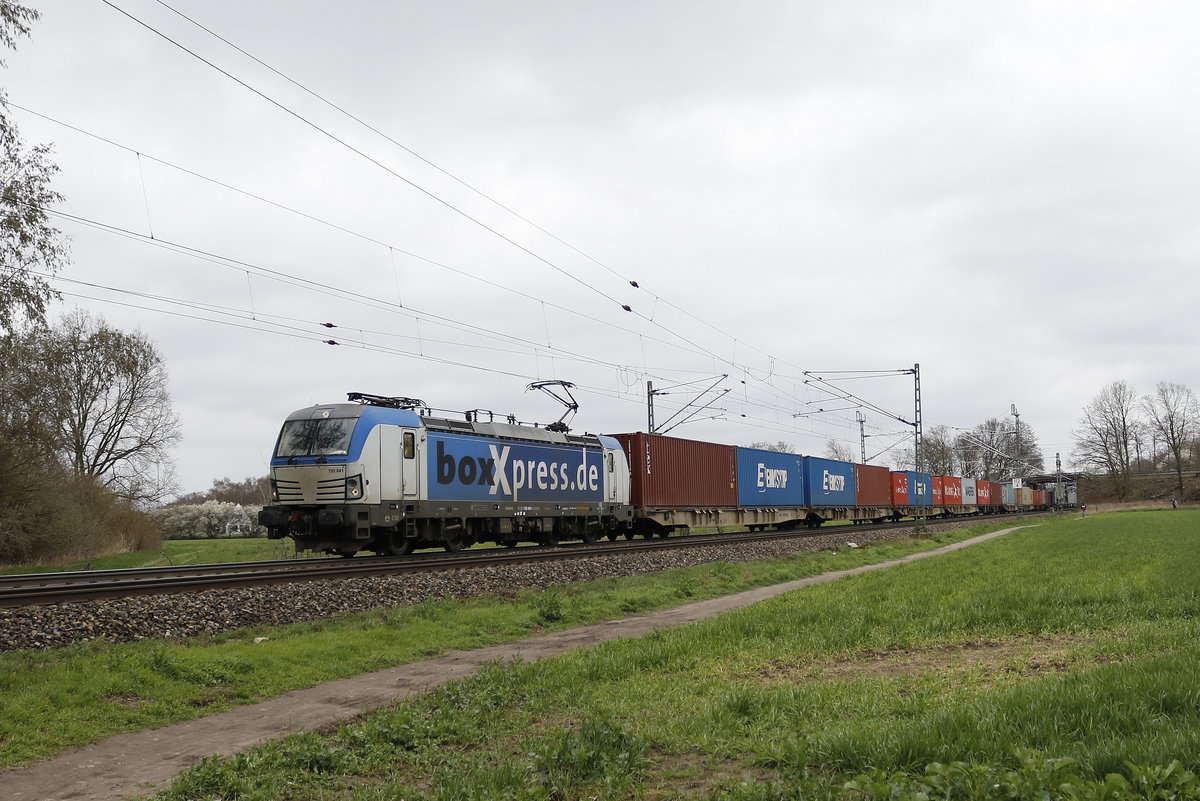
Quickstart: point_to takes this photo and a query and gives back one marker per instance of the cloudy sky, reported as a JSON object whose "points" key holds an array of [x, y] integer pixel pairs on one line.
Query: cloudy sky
{"points": [[1004, 193]]}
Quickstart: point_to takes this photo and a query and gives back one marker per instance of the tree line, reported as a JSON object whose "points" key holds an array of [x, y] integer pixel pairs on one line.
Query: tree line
{"points": [[1122, 433], [994, 450], [86, 422]]}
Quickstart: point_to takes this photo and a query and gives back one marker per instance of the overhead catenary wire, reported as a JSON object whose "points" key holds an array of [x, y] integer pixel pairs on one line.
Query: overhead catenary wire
{"points": [[731, 361], [706, 351], [318, 339], [770, 373], [264, 326], [358, 151], [634, 283], [286, 278], [391, 248], [243, 266], [373, 129]]}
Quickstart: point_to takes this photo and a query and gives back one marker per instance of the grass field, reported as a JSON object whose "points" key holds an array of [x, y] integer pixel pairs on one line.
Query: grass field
{"points": [[178, 552], [56, 699], [1056, 662]]}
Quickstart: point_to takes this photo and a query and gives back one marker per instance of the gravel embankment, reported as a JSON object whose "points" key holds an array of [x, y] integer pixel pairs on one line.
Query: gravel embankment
{"points": [[212, 611]]}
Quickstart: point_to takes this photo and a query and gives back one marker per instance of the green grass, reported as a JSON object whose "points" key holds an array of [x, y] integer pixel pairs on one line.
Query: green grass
{"points": [[1055, 662], [177, 552], [52, 700]]}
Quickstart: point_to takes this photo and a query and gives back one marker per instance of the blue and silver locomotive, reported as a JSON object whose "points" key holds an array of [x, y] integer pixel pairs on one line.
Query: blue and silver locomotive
{"points": [[375, 474]]}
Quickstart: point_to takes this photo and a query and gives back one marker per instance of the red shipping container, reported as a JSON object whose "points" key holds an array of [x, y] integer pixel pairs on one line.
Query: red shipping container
{"points": [[939, 491], [983, 492], [874, 485], [899, 489], [953, 490], [673, 473]]}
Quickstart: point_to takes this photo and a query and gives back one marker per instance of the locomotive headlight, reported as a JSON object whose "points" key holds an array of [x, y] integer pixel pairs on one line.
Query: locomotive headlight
{"points": [[353, 487], [274, 490]]}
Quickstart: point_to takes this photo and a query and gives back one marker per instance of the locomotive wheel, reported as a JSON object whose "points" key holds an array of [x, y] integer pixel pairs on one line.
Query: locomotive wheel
{"points": [[629, 534], [454, 536], [400, 546], [612, 536]]}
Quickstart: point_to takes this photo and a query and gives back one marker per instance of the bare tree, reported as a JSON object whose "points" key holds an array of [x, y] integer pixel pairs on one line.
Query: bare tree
{"points": [[248, 492], [1027, 452], [1143, 456], [28, 443], [904, 459], [1105, 434], [840, 451], [938, 452], [993, 451], [28, 243], [109, 392], [1173, 413], [981, 451], [779, 447]]}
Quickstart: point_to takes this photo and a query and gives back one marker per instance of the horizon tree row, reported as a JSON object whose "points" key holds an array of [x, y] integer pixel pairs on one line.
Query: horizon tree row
{"points": [[1122, 433]]}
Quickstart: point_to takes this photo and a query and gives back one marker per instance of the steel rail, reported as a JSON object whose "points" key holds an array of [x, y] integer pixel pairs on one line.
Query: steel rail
{"points": [[27, 589]]}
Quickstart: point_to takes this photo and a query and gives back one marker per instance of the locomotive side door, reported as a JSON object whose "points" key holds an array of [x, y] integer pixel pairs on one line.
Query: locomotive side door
{"points": [[410, 461], [616, 479], [389, 463]]}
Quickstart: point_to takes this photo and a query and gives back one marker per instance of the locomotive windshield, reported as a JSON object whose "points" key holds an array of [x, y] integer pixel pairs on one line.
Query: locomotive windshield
{"points": [[328, 436]]}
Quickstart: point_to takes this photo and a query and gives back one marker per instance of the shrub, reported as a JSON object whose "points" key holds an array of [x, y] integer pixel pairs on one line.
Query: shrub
{"points": [[208, 520]]}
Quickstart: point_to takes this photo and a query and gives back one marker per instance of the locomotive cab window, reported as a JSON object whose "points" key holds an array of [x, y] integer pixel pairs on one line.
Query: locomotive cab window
{"points": [[410, 445], [328, 436]]}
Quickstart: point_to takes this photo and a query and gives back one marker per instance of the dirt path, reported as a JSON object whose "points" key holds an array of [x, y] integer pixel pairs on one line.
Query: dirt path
{"points": [[143, 762]]}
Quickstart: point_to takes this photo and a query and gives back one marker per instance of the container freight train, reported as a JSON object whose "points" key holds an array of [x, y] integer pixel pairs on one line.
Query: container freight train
{"points": [[373, 474]]}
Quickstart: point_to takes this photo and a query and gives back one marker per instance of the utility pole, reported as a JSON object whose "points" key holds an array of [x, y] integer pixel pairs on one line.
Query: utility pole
{"points": [[1017, 458], [862, 436], [1058, 485], [649, 407], [917, 435], [667, 424]]}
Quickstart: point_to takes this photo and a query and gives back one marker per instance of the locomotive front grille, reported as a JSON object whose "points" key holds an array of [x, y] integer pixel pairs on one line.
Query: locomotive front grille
{"points": [[307, 487]]}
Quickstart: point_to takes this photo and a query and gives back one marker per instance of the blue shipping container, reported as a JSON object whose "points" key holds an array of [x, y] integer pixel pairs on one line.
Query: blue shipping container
{"points": [[920, 489], [828, 483], [1008, 496], [769, 478]]}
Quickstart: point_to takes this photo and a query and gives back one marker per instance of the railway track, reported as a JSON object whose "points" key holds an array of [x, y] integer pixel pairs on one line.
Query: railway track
{"points": [[51, 588]]}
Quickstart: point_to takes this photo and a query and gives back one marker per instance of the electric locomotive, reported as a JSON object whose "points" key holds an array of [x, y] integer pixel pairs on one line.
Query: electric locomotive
{"points": [[376, 474]]}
